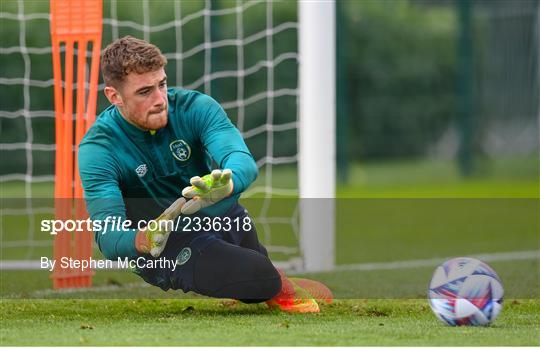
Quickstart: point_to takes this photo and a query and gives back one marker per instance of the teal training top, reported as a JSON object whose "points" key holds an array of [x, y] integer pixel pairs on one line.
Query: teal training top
{"points": [[132, 174]]}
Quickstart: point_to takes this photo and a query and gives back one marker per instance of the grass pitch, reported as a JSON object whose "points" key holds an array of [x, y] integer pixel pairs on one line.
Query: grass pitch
{"points": [[218, 323], [372, 308], [379, 307]]}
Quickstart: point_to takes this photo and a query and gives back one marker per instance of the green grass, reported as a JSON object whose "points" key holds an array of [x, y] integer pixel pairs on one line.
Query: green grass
{"points": [[521, 279], [395, 216], [501, 178], [367, 311], [216, 323]]}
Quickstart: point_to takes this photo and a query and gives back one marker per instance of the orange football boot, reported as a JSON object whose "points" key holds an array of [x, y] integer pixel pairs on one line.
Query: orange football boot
{"points": [[317, 290], [293, 298]]}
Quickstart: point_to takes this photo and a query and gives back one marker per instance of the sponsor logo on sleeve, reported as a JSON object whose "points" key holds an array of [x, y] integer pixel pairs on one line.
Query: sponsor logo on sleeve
{"points": [[141, 170]]}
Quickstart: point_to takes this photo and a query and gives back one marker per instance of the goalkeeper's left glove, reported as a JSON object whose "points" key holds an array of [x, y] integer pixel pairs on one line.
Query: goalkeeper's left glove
{"points": [[153, 240], [207, 190]]}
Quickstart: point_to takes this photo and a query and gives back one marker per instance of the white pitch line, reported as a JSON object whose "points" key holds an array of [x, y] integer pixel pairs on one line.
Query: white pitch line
{"points": [[32, 265], [503, 256], [376, 266], [98, 289]]}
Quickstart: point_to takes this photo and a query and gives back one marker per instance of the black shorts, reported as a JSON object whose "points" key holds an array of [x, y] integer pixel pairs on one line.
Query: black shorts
{"points": [[184, 249]]}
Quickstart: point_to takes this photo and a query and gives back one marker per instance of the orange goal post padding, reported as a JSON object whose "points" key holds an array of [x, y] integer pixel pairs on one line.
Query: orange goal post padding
{"points": [[76, 25]]}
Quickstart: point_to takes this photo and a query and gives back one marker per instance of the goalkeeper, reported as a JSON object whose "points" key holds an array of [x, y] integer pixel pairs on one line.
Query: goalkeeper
{"points": [[146, 151]]}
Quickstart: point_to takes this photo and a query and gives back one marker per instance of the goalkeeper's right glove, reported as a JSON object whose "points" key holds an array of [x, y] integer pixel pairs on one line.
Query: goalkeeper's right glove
{"points": [[153, 241], [207, 190]]}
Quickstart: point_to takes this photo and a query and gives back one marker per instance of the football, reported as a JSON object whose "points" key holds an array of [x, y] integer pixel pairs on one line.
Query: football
{"points": [[465, 291]]}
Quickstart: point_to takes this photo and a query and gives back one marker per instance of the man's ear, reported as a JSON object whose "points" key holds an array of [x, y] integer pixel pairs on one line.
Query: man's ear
{"points": [[113, 95]]}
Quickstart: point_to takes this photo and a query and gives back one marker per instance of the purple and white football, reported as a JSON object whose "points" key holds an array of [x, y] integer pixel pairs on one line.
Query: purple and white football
{"points": [[465, 291]]}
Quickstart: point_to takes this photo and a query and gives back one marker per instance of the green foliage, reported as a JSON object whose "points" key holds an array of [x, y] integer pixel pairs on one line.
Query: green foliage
{"points": [[400, 68], [401, 75], [187, 39]]}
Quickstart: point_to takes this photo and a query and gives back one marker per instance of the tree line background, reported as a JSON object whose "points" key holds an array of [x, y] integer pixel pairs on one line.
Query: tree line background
{"points": [[416, 78]]}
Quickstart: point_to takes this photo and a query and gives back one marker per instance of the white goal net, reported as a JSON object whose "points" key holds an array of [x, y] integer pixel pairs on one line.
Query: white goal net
{"points": [[242, 53]]}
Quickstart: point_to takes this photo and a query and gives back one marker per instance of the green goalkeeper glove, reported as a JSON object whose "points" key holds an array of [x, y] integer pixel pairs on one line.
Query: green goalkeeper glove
{"points": [[207, 190], [153, 238]]}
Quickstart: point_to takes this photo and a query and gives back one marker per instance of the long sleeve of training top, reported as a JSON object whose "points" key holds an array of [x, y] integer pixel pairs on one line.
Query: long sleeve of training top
{"points": [[134, 174]]}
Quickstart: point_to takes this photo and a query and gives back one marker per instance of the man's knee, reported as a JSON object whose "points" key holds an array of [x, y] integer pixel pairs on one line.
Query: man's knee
{"points": [[228, 271]]}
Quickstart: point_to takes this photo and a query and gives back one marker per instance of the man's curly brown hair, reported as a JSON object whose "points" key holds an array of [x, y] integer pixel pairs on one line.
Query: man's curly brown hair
{"points": [[127, 55]]}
